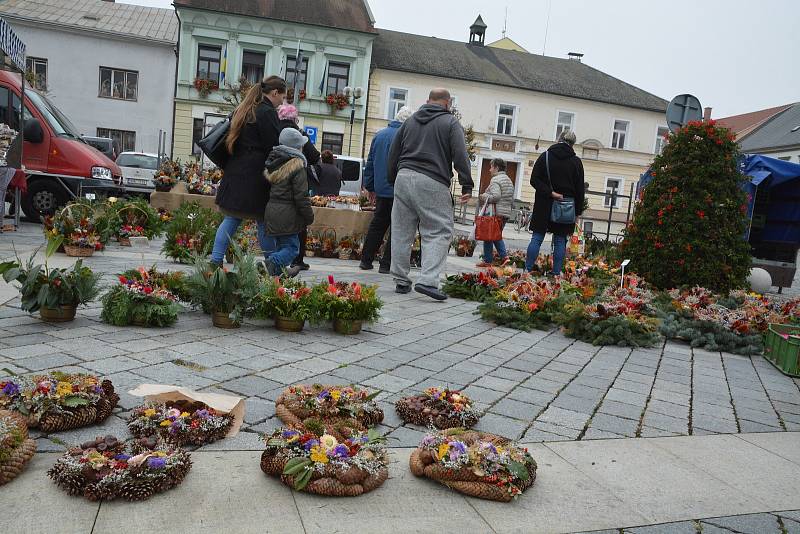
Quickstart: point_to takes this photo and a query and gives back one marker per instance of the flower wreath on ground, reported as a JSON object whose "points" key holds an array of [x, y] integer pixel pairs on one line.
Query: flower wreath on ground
{"points": [[140, 300], [342, 409], [528, 303], [107, 469], [16, 448], [475, 463], [481, 285], [440, 407], [59, 401], [180, 422], [318, 462]]}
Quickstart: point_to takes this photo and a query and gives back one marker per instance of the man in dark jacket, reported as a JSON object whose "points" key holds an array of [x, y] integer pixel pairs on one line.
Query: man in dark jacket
{"points": [[377, 184], [557, 174], [421, 161]]}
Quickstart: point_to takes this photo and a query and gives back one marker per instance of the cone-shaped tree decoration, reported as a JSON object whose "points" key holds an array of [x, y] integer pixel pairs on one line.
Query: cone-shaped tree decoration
{"points": [[688, 229], [16, 449]]}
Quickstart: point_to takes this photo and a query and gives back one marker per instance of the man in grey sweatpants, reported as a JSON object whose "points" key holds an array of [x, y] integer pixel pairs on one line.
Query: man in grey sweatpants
{"points": [[421, 161]]}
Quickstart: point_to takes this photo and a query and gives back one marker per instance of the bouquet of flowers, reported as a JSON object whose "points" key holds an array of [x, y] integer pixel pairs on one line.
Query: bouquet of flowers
{"points": [[140, 301], [59, 401], [517, 258], [126, 231], [321, 463], [440, 407], [16, 449], [191, 231], [475, 463], [342, 409], [348, 305], [106, 469], [180, 422], [288, 299], [465, 247], [198, 181], [168, 175]]}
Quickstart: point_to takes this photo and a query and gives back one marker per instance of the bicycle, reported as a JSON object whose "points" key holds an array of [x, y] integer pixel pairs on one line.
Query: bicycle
{"points": [[523, 218]]}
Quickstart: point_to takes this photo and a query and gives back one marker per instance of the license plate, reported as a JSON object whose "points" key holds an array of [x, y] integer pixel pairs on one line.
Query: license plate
{"points": [[90, 196], [138, 181]]}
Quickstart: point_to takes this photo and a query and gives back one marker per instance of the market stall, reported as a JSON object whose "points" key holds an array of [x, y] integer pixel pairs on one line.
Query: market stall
{"points": [[172, 200]]}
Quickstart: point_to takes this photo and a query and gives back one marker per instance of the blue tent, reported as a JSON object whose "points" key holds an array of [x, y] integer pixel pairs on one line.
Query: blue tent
{"points": [[782, 180]]}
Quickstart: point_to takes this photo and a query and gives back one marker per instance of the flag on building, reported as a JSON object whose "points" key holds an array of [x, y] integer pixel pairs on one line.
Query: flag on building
{"points": [[322, 81], [223, 67]]}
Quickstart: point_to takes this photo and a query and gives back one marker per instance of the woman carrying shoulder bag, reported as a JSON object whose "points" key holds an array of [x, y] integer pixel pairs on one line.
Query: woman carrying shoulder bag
{"points": [[253, 133], [499, 193], [558, 179]]}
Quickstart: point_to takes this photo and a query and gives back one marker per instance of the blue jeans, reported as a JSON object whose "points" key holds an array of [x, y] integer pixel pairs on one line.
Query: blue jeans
{"points": [[281, 250], [559, 251], [226, 230], [488, 251]]}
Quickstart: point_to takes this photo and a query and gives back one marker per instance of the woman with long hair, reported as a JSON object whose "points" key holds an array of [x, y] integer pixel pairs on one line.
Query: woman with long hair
{"points": [[244, 192]]}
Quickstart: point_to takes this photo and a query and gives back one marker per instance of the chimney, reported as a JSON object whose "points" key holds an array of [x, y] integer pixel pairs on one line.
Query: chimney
{"points": [[477, 32], [707, 114], [575, 56]]}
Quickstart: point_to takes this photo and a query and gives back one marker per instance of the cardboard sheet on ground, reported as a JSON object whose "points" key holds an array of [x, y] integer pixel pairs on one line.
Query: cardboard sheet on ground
{"points": [[221, 403]]}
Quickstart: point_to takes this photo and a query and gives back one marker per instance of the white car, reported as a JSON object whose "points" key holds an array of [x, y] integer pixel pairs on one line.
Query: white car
{"points": [[138, 169], [352, 173]]}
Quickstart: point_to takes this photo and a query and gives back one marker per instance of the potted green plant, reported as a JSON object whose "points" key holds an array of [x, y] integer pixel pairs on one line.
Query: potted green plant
{"points": [[290, 302], [54, 293], [140, 300], [190, 231], [228, 295], [349, 306]]}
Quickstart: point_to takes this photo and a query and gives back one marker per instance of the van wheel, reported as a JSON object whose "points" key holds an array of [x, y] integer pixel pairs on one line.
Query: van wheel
{"points": [[43, 198]]}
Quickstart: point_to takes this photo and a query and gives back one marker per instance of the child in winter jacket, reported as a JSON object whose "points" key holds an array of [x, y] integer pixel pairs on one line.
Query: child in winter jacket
{"points": [[289, 210]]}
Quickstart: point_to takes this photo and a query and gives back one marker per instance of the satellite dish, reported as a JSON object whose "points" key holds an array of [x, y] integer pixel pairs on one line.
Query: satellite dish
{"points": [[682, 110]]}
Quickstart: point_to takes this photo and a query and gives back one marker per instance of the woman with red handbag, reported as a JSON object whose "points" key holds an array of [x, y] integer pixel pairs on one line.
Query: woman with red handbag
{"points": [[499, 193]]}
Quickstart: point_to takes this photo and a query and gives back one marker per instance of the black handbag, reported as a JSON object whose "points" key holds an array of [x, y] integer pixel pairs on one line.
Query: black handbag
{"points": [[213, 144]]}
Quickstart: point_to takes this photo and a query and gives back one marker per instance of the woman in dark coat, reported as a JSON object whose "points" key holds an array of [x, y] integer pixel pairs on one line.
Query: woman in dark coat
{"points": [[565, 180], [244, 192]]}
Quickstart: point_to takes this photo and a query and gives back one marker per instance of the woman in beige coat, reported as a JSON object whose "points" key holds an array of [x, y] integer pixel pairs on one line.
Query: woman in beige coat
{"points": [[500, 194]]}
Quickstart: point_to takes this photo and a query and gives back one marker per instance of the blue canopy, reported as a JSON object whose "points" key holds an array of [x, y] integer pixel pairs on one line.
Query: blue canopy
{"points": [[782, 178]]}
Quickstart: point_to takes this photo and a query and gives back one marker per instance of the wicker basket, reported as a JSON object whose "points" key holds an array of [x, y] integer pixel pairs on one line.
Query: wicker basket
{"points": [[78, 252], [332, 482], [464, 480], [81, 416], [124, 242], [62, 314], [12, 466]]}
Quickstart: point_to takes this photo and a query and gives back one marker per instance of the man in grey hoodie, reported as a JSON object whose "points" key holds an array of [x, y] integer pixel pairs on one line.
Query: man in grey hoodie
{"points": [[421, 161]]}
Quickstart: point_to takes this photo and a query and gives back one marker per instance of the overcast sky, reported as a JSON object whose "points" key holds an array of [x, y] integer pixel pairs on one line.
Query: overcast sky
{"points": [[734, 55]]}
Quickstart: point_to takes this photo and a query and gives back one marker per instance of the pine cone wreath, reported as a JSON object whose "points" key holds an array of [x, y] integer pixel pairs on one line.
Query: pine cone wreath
{"points": [[136, 491]]}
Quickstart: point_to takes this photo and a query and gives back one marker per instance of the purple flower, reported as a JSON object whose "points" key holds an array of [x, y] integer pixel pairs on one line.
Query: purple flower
{"points": [[341, 451], [428, 440], [156, 463], [324, 394], [311, 443], [122, 457], [202, 414], [288, 434], [10, 389]]}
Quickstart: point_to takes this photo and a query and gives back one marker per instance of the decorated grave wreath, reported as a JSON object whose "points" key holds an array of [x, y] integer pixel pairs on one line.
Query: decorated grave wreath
{"points": [[59, 401], [343, 410], [440, 407], [477, 464], [106, 469], [180, 422], [316, 462], [16, 448]]}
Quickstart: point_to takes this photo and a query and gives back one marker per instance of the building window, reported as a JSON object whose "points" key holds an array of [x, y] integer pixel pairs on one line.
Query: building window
{"points": [[620, 135], [661, 139], [121, 84], [338, 77], [505, 119], [397, 99], [613, 188], [332, 142], [197, 134], [564, 123], [125, 139], [36, 72], [590, 153], [291, 62], [253, 66], [208, 60]]}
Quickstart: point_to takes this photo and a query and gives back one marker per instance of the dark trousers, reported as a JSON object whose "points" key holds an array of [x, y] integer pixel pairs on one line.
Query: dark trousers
{"points": [[302, 254], [381, 222]]}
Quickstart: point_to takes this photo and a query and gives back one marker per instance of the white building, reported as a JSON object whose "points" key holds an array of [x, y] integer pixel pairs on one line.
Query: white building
{"points": [[109, 67]]}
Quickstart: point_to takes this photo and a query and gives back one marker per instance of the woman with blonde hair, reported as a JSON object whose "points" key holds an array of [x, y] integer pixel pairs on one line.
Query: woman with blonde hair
{"points": [[253, 133]]}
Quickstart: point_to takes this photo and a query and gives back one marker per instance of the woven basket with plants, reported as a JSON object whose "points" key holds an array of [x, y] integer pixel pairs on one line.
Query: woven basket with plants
{"points": [[289, 302], [107, 469], [314, 461], [348, 305], [179, 422], [141, 301], [16, 448], [59, 401], [342, 410], [475, 463], [135, 218], [440, 407], [191, 231]]}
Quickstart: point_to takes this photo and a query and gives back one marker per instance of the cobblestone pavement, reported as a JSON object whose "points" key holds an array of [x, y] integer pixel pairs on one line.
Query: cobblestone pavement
{"points": [[537, 386], [768, 523]]}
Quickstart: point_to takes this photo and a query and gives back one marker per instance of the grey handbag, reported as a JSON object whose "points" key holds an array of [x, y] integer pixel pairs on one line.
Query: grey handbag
{"points": [[562, 211]]}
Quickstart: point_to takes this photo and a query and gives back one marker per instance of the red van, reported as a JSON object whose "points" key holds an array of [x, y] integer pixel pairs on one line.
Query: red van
{"points": [[59, 164]]}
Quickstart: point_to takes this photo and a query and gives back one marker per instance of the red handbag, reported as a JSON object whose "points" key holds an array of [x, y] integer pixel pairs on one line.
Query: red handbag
{"points": [[488, 227]]}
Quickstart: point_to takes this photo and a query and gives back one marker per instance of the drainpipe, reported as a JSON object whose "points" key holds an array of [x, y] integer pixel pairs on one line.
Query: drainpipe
{"points": [[175, 85]]}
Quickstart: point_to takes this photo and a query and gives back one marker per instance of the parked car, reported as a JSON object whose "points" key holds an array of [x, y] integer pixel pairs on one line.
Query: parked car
{"points": [[352, 174], [60, 165], [138, 169], [103, 144]]}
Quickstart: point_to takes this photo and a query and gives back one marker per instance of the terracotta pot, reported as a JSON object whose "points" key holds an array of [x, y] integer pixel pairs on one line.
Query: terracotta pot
{"points": [[78, 252], [285, 324], [348, 328], [223, 320], [62, 314], [124, 242]]}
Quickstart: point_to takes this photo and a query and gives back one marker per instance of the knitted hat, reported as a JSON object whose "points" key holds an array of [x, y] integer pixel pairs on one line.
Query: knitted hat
{"points": [[287, 111], [292, 138]]}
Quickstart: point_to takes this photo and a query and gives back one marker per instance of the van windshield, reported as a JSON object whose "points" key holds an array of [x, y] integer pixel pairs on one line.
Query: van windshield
{"points": [[60, 124]]}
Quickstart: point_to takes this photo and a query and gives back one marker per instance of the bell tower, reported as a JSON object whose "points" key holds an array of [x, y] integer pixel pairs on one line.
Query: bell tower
{"points": [[477, 32]]}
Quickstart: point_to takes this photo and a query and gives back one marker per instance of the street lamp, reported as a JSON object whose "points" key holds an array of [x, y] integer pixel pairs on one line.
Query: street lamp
{"points": [[355, 94]]}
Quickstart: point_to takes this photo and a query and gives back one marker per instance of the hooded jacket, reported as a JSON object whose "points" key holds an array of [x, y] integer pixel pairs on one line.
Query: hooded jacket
{"points": [[566, 175], [432, 142], [288, 210], [376, 172]]}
